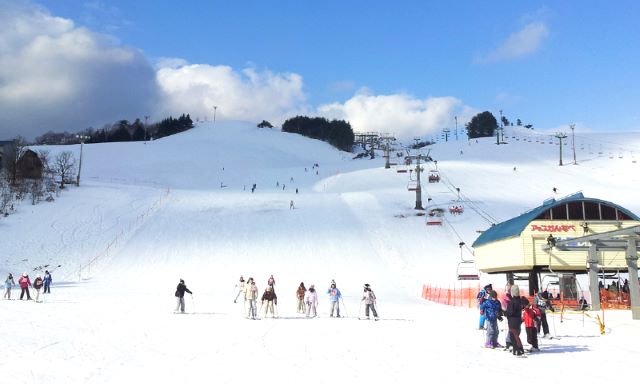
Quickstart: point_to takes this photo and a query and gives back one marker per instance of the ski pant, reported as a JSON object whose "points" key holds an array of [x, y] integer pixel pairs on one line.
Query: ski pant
{"points": [[252, 311], [268, 307], [47, 288], [492, 332], [483, 318], [515, 340], [543, 320], [26, 289], [301, 307], [7, 294], [180, 304], [37, 294], [532, 336], [373, 309], [335, 306], [311, 307]]}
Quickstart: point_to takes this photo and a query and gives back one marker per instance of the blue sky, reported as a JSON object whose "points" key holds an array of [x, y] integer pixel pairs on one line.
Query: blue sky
{"points": [[413, 65]]}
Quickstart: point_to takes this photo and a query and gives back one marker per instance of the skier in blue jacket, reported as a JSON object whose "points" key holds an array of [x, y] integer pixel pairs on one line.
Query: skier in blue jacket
{"points": [[492, 313], [334, 298]]}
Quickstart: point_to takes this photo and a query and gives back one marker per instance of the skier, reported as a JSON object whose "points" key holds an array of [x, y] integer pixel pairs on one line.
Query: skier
{"points": [[291, 206], [300, 293], [271, 282], [8, 284], [47, 282], [180, 290], [37, 285], [25, 283], [481, 297], [530, 316], [240, 288], [311, 298], [271, 301], [493, 313], [369, 299], [250, 298], [514, 318], [542, 302], [334, 297]]}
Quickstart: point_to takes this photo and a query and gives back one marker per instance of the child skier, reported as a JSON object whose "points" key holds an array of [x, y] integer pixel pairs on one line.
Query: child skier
{"points": [[311, 298], [334, 297], [514, 318], [240, 288], [493, 313], [369, 299], [47, 282], [530, 316], [37, 285], [269, 296], [8, 284], [180, 290], [25, 283], [300, 293], [481, 297]]}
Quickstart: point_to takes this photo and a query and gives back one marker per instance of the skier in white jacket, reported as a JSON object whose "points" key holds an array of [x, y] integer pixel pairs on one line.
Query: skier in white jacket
{"points": [[369, 299], [311, 298]]}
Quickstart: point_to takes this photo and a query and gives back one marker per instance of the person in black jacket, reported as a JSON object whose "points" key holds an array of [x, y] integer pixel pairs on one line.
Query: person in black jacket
{"points": [[180, 290], [514, 319]]}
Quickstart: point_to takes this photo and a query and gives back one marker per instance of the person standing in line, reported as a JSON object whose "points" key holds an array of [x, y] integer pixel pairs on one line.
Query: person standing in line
{"points": [[334, 298], [8, 284], [481, 297], [25, 283], [239, 288], [37, 285], [47, 282], [180, 290], [300, 293], [251, 298], [493, 313], [369, 299], [269, 296], [542, 302], [530, 316], [514, 318], [311, 298], [271, 282]]}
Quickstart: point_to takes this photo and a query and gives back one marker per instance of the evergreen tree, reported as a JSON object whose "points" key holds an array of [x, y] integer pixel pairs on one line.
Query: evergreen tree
{"points": [[482, 125]]}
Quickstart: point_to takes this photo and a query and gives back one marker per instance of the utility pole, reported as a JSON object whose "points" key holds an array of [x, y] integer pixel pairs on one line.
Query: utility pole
{"points": [[82, 138], [446, 134], [215, 108], [500, 128], [573, 142], [146, 117], [560, 136], [456, 119]]}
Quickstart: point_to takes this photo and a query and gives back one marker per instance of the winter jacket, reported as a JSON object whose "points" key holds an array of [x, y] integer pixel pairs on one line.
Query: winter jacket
{"points": [[311, 297], [543, 303], [24, 282], [529, 315], [270, 295], [250, 292], [369, 297], [47, 279], [334, 294], [491, 308], [514, 313], [181, 289], [9, 283], [37, 283], [300, 292]]}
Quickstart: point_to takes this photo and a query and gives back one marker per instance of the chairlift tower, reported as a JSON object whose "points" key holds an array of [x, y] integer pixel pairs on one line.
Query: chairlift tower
{"points": [[560, 136], [573, 142], [387, 149], [418, 158]]}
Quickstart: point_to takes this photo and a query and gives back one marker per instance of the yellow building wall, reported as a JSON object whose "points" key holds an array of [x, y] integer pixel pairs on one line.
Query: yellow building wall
{"points": [[525, 251]]}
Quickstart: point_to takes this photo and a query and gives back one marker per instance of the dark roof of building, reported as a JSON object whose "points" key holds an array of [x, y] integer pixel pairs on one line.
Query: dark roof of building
{"points": [[515, 226]]}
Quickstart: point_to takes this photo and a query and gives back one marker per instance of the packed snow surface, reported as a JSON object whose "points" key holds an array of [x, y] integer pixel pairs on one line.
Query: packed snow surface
{"points": [[148, 214]]}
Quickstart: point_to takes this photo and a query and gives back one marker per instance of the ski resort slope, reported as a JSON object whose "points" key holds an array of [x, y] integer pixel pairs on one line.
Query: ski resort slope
{"points": [[148, 214]]}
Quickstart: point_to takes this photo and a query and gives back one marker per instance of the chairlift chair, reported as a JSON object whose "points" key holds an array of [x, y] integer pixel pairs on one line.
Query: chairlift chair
{"points": [[434, 216], [412, 186], [434, 176], [456, 209], [466, 269]]}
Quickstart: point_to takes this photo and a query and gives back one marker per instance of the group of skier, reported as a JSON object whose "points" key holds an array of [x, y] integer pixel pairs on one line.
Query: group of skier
{"points": [[25, 284], [517, 309], [306, 299]]}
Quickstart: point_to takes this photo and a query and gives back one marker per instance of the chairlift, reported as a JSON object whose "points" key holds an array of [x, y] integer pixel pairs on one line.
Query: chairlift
{"points": [[401, 169], [456, 209], [466, 269], [412, 186], [435, 216], [434, 176]]}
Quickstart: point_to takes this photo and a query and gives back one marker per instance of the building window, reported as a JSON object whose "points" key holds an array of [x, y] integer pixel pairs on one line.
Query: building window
{"points": [[546, 215], [591, 211], [608, 213], [559, 212], [622, 216], [575, 210]]}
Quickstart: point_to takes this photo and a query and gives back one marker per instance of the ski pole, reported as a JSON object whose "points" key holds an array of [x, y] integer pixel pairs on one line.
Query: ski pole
{"points": [[345, 307], [193, 304]]}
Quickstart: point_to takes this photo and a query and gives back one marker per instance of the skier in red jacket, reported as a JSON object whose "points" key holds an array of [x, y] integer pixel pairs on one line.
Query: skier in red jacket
{"points": [[25, 283], [530, 316]]}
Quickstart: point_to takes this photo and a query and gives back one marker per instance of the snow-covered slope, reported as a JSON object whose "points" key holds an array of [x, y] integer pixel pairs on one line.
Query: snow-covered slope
{"points": [[150, 213]]}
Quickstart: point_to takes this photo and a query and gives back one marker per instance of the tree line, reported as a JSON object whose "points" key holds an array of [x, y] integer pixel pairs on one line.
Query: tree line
{"points": [[338, 133], [484, 124]]}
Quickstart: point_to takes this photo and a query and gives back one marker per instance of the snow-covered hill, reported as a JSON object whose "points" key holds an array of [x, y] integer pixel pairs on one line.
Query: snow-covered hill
{"points": [[150, 213]]}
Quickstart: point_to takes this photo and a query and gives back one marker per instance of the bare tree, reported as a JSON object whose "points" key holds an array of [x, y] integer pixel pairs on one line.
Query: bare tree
{"points": [[64, 165], [19, 146], [6, 197], [36, 191]]}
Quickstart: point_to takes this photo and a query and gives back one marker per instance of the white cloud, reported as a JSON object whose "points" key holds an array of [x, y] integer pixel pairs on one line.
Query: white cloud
{"points": [[245, 95], [399, 114], [56, 76], [519, 44]]}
